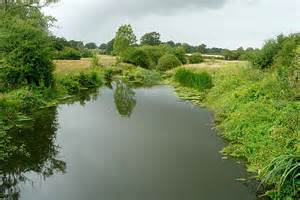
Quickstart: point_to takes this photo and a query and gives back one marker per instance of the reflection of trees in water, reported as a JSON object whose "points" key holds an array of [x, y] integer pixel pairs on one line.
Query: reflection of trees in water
{"points": [[85, 96], [40, 154], [124, 99]]}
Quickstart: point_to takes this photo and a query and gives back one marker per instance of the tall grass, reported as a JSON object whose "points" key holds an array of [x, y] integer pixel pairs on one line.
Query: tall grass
{"points": [[200, 80], [284, 173]]}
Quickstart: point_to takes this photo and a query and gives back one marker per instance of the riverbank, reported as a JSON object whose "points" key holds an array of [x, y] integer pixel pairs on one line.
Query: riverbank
{"points": [[259, 118]]}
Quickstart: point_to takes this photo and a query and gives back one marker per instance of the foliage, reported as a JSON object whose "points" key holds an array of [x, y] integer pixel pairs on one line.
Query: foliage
{"points": [[200, 80], [124, 38], [179, 52], [265, 57], [25, 49], [136, 56], [91, 45], [196, 58], [284, 173], [167, 62], [95, 62], [86, 53], [152, 39], [68, 53], [73, 83], [108, 74]]}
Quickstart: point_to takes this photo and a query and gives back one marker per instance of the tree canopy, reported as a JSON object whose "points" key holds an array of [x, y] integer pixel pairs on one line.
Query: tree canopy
{"points": [[124, 38], [152, 39]]}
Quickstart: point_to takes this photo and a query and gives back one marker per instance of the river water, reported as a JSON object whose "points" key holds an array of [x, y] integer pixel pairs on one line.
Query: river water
{"points": [[124, 144]]}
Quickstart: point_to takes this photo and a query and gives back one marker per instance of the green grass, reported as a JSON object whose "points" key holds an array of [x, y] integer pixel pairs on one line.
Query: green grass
{"points": [[260, 118], [200, 80]]}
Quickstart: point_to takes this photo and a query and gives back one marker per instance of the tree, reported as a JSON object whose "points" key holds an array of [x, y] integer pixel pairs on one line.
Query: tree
{"points": [[25, 31], [171, 43], [91, 45], [152, 39], [124, 38], [201, 48], [25, 46]]}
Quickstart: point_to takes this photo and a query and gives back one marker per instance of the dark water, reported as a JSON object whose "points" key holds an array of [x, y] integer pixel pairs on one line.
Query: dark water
{"points": [[123, 144]]}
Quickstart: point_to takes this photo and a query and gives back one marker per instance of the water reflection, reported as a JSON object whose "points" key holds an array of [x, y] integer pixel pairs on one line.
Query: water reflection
{"points": [[38, 154], [124, 98]]}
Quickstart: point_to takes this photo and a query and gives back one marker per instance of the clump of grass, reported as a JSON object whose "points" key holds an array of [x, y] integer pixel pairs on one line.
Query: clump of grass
{"points": [[200, 80], [284, 173]]}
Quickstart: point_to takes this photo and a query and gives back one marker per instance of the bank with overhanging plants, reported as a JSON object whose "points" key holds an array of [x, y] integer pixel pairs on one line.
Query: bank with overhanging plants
{"points": [[257, 111]]}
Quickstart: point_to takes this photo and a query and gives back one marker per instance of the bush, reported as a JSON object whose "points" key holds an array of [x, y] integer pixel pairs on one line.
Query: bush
{"points": [[180, 53], [136, 56], [95, 62], [265, 58], [167, 62], [86, 53], [26, 52], [198, 80], [69, 53], [196, 58], [84, 80], [108, 74]]}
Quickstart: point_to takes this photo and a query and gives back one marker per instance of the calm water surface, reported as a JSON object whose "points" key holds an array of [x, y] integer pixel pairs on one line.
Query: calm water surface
{"points": [[123, 144]]}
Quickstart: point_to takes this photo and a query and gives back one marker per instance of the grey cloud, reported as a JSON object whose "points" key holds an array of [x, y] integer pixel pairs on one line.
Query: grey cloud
{"points": [[159, 7]]}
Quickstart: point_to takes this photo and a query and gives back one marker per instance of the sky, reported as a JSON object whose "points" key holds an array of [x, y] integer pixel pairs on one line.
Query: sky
{"points": [[216, 23]]}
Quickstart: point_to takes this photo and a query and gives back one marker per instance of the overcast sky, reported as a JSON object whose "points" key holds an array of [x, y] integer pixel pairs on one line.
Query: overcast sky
{"points": [[220, 23]]}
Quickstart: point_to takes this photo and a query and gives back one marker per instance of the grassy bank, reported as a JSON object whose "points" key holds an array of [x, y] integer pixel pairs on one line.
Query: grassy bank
{"points": [[17, 106], [258, 116]]}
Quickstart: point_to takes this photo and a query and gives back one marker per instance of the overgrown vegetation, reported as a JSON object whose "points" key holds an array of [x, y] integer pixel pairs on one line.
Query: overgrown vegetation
{"points": [[200, 80], [258, 113]]}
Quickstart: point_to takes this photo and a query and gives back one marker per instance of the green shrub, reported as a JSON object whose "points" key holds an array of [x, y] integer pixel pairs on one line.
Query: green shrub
{"points": [[84, 80], [167, 62], [108, 74], [69, 53], [86, 53], [180, 53], [26, 52], [196, 58], [95, 62], [136, 56], [198, 80]]}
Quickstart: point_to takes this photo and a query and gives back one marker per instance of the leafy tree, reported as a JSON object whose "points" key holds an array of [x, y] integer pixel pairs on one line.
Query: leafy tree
{"points": [[110, 46], [201, 48], [78, 45], [124, 38], [180, 52], [136, 56], [167, 62], [196, 58], [25, 47], [265, 57], [69, 53], [152, 39], [91, 45], [171, 43]]}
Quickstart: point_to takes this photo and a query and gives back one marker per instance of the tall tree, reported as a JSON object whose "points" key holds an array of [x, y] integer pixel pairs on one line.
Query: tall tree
{"points": [[124, 38], [91, 45], [152, 39]]}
